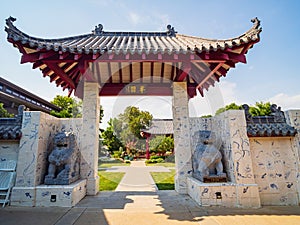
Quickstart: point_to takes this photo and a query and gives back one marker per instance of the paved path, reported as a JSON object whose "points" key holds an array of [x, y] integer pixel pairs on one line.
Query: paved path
{"points": [[147, 208], [137, 176]]}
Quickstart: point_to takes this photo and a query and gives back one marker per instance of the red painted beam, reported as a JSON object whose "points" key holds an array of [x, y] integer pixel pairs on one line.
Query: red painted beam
{"points": [[209, 75], [148, 89], [186, 68], [237, 57], [37, 64], [33, 57], [61, 74]]}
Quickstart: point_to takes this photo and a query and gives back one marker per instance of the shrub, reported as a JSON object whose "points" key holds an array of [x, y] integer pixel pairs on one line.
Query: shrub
{"points": [[160, 160], [157, 157], [117, 154], [170, 158]]}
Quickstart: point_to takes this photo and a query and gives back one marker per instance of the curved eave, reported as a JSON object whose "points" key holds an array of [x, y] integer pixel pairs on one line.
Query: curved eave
{"points": [[133, 44], [198, 61]]}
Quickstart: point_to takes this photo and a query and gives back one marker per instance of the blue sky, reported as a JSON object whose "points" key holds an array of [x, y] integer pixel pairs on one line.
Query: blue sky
{"points": [[271, 73]]}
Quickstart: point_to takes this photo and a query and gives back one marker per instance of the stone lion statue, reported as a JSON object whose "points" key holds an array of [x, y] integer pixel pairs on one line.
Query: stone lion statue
{"points": [[207, 159], [63, 160]]}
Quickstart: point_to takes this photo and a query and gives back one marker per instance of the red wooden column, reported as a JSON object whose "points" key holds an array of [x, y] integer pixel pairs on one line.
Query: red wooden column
{"points": [[147, 136]]}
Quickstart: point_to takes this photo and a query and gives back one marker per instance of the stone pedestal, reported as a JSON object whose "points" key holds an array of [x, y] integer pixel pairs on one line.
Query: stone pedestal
{"points": [[49, 195], [90, 137], [60, 195], [223, 194], [182, 144]]}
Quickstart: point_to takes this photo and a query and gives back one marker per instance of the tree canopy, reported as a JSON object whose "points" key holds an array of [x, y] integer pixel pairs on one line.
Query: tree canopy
{"points": [[110, 138], [70, 107], [228, 107], [124, 130], [161, 144], [4, 113], [259, 109]]}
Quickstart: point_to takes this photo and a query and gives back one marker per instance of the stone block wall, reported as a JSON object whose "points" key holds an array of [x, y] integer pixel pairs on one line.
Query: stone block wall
{"points": [[9, 150], [38, 130], [240, 190], [230, 126], [275, 169], [230, 129], [293, 119]]}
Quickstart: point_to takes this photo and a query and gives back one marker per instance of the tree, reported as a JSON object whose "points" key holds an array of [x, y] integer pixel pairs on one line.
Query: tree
{"points": [[110, 139], [135, 120], [4, 113], [260, 109], [161, 144], [70, 107], [228, 107], [124, 130]]}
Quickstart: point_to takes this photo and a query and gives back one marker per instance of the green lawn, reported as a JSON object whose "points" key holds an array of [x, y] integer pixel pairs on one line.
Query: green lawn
{"points": [[108, 165], [109, 180], [165, 164], [164, 180]]}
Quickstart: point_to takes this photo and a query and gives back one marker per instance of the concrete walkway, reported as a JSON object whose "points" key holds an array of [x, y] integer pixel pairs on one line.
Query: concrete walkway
{"points": [[140, 204], [137, 176], [147, 208]]}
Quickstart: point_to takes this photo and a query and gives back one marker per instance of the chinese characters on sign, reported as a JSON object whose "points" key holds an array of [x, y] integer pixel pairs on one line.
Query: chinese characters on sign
{"points": [[135, 89]]}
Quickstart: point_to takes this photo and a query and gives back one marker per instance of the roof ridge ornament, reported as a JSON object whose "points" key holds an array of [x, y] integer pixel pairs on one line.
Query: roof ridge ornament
{"points": [[171, 31], [98, 29], [10, 20], [256, 22]]}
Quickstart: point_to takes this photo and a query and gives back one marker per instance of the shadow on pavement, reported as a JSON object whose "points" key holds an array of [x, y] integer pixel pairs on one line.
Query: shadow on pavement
{"points": [[135, 208]]}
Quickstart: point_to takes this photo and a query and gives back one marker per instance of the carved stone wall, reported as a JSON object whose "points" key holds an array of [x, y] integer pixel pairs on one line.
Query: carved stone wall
{"points": [[275, 169], [38, 130], [9, 150], [230, 126], [240, 190]]}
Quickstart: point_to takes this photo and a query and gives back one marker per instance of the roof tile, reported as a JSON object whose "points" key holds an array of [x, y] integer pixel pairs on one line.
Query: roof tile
{"points": [[132, 42]]}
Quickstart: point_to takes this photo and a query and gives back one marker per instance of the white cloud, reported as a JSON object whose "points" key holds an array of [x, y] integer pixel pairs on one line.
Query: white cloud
{"points": [[228, 90], [162, 21], [134, 18], [285, 101]]}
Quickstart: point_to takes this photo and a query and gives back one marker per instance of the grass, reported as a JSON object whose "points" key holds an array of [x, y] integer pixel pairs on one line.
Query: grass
{"points": [[165, 164], [108, 164], [111, 162], [164, 180], [109, 180]]}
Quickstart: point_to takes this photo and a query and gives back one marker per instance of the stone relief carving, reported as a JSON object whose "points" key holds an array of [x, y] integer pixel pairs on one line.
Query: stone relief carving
{"points": [[64, 160], [207, 159]]}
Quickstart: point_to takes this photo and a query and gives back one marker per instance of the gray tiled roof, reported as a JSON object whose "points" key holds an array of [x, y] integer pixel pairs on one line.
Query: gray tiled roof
{"points": [[10, 132], [160, 127], [273, 125], [10, 128], [270, 130], [100, 41]]}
